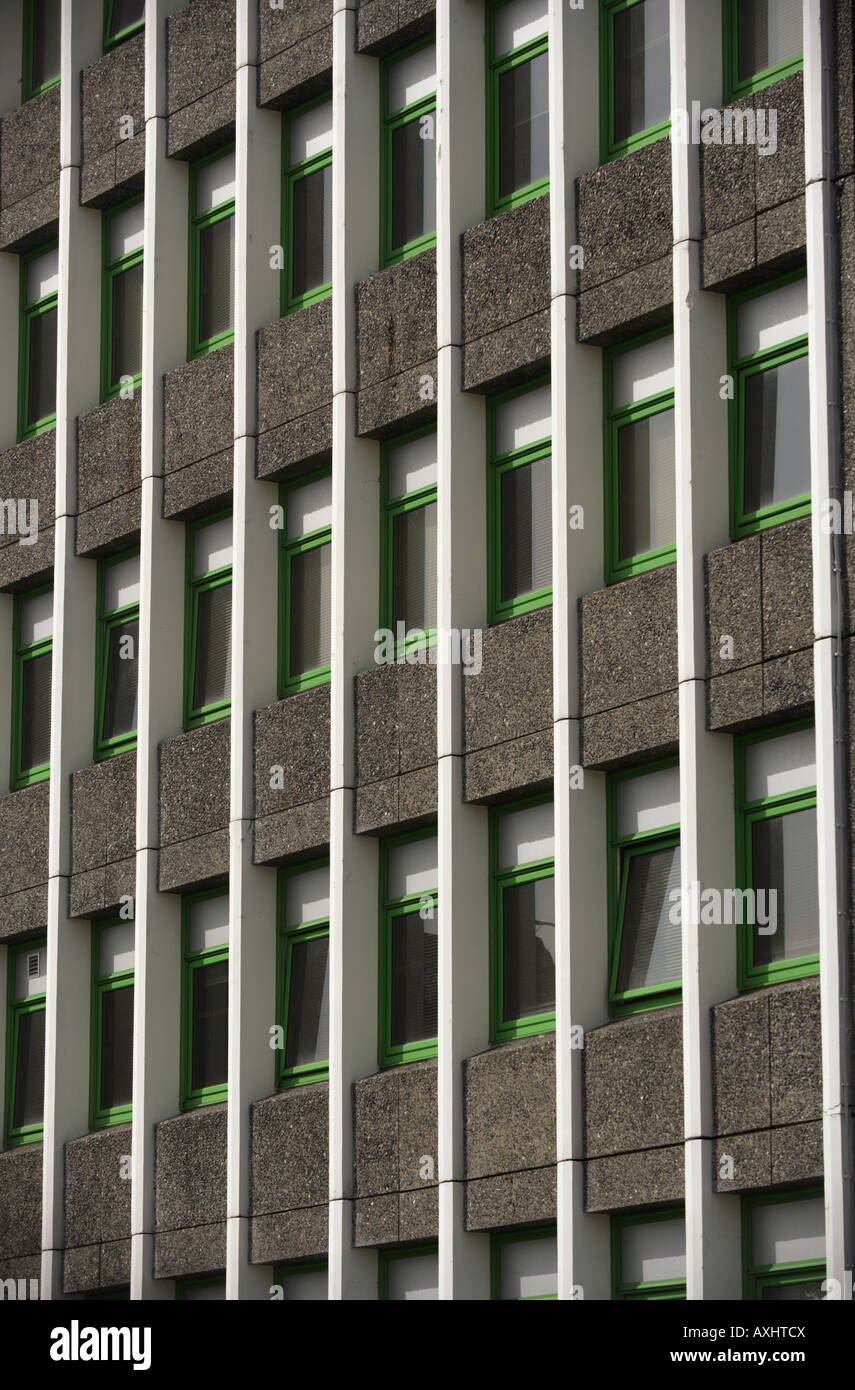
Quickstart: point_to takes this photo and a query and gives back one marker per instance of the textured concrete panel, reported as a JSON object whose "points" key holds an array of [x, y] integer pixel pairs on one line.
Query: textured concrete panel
{"points": [[97, 1197], [190, 1192], [198, 434], [29, 173], [103, 832], [643, 730], [797, 1153], [787, 589], [634, 1083], [795, 1053], [200, 77], [24, 860], [289, 1235], [28, 473], [113, 89], [727, 177], [81, 1268], [629, 640], [396, 326], [293, 734], [290, 1150], [646, 1179], [735, 604], [767, 1057], [295, 49], [20, 1203], [618, 229], [194, 807], [845, 67], [110, 527], [511, 1199], [780, 177], [505, 285], [767, 1158], [523, 765], [295, 392], [511, 696], [395, 1128], [191, 1250], [635, 303], [384, 25], [395, 746], [108, 452], [509, 1107]]}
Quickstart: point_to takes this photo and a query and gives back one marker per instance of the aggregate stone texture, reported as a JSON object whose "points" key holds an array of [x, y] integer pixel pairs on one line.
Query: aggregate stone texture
{"points": [[29, 173], [845, 69], [634, 1084], [396, 344], [648, 1177], [200, 77], [194, 807], [190, 1193], [290, 1175], [295, 52], [109, 484], [112, 89], [198, 435], [395, 1132], [760, 1159], [509, 1108], [505, 273], [384, 25], [24, 860], [628, 641], [28, 473], [767, 1058], [395, 735], [632, 304], [97, 1209], [293, 734], [295, 393], [103, 835], [20, 1208], [511, 1199], [507, 710]]}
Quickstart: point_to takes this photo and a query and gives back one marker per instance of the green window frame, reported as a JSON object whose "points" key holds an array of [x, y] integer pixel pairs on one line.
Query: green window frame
{"points": [[196, 587], [501, 607], [193, 960], [757, 1278], [736, 87], [282, 1273], [295, 173], [748, 814], [424, 903], [612, 145], [198, 342], [386, 1258], [23, 772], [36, 14], [32, 420], [622, 851], [503, 880], [616, 420], [292, 557], [113, 622], [114, 15], [291, 936], [499, 1244], [498, 68], [391, 509], [184, 1288], [18, 1131], [744, 521], [117, 271], [105, 984], [648, 1290], [393, 251]]}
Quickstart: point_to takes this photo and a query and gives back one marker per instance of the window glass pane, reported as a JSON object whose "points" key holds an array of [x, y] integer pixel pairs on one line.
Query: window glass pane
{"points": [[775, 766], [528, 948], [770, 32], [783, 862], [306, 1286], [650, 943], [122, 584], [643, 372], [648, 802], [312, 252], [412, 868], [523, 420], [777, 435], [527, 836], [414, 568], [35, 711], [310, 134], [212, 547], [126, 338], [530, 1268], [120, 701], [788, 1232], [209, 1065], [308, 1003], [642, 80], [526, 526], [309, 508], [307, 897], [652, 1251], [523, 125], [412, 79], [413, 178], [209, 922], [116, 949], [517, 23], [772, 318], [36, 618], [215, 183], [311, 604], [647, 505], [808, 1292], [213, 682], [28, 1106], [414, 1278], [31, 972], [117, 1047], [43, 276], [413, 465], [41, 387], [216, 279], [124, 14], [46, 32], [126, 231], [413, 983]]}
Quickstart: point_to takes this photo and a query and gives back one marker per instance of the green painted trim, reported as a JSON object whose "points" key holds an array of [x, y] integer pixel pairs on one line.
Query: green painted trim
{"points": [[196, 346], [653, 1289], [611, 148], [498, 1242], [289, 303], [193, 587], [110, 270], [320, 675], [20, 776], [101, 1117], [757, 1277], [734, 89], [28, 91], [389, 509], [113, 40], [390, 121], [385, 1258], [309, 1072], [497, 609], [27, 313], [24, 1134], [191, 1099], [387, 1054], [495, 69], [105, 622], [634, 1001], [503, 1029], [204, 1281]]}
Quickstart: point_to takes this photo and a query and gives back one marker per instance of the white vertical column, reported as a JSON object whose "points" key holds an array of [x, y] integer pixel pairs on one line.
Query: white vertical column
{"points": [[830, 686], [252, 890], [581, 966], [463, 1001], [706, 759], [355, 605]]}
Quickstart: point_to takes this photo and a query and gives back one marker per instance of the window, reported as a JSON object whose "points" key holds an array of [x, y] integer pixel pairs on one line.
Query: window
{"points": [[640, 477], [522, 919], [649, 1256], [635, 75], [122, 18], [212, 252], [776, 855], [112, 1015], [644, 888], [519, 501], [41, 46], [408, 539], [31, 682], [211, 1286], [409, 922], [409, 1274], [408, 152], [524, 1265], [762, 42], [783, 1246], [307, 211], [25, 1043], [121, 299], [769, 412], [37, 342], [117, 644], [303, 974], [305, 594], [517, 103], [307, 1282], [204, 997], [208, 621]]}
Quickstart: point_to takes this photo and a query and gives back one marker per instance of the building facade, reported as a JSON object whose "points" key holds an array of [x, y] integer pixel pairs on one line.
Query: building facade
{"points": [[427, 437]]}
